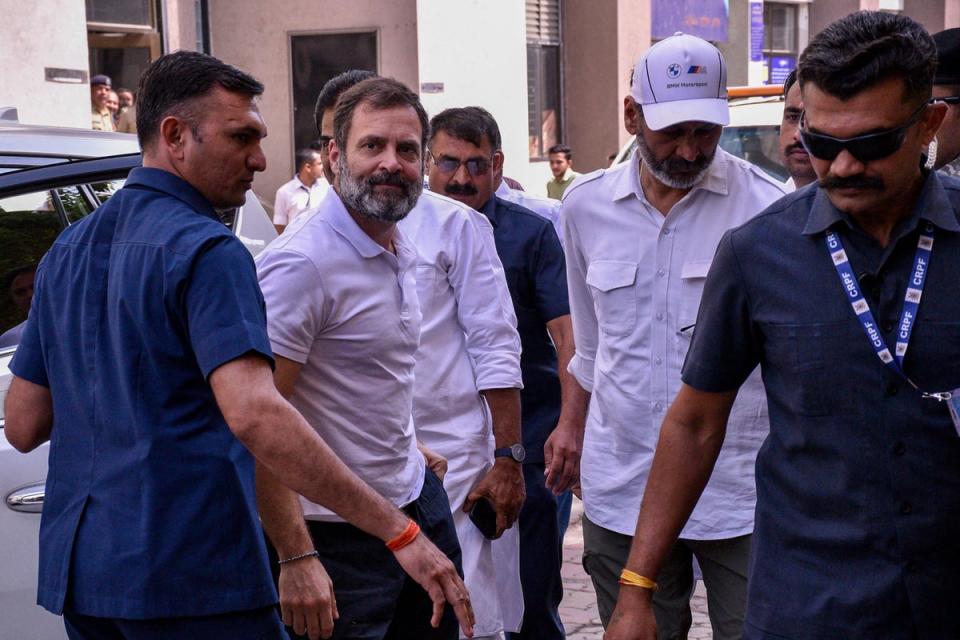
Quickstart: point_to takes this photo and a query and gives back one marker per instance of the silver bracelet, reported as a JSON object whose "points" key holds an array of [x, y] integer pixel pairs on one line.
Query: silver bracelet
{"points": [[309, 554]]}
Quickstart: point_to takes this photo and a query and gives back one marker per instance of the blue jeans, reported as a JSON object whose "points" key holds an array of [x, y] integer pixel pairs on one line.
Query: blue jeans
{"points": [[375, 597], [256, 624]]}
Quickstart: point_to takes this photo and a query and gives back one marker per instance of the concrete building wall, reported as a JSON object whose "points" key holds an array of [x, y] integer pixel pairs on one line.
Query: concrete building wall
{"points": [[736, 50], [633, 39], [180, 29], [477, 50], [33, 37], [929, 13], [823, 13], [255, 36], [593, 90]]}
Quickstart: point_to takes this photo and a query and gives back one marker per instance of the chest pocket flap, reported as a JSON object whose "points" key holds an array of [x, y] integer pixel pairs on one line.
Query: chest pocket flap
{"points": [[615, 297], [697, 269], [607, 275]]}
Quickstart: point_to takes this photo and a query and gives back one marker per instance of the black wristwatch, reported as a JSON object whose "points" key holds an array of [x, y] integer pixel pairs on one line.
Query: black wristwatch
{"points": [[515, 451]]}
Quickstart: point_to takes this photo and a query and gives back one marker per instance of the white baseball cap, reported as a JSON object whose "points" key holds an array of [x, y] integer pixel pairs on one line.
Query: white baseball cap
{"points": [[681, 79]]}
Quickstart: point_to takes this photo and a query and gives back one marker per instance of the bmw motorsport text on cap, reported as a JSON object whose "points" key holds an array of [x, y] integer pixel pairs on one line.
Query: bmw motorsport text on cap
{"points": [[681, 79]]}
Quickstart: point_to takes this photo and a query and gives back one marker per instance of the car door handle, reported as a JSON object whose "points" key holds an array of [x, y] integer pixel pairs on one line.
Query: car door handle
{"points": [[28, 499]]}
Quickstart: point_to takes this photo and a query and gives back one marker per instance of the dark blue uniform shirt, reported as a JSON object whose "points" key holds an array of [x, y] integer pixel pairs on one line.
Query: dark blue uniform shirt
{"points": [[858, 484], [150, 509], [536, 276]]}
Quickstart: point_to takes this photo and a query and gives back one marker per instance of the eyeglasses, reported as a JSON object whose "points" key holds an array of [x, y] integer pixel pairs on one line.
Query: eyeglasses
{"points": [[946, 100], [865, 148], [475, 166]]}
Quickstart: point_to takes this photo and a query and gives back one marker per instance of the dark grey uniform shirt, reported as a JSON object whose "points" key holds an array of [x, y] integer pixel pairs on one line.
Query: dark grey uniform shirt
{"points": [[858, 484]]}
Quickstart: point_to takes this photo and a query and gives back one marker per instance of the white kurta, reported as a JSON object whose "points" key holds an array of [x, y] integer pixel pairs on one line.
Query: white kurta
{"points": [[468, 343]]}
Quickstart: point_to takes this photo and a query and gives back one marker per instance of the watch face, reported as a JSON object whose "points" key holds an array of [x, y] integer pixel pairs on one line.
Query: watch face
{"points": [[518, 452]]}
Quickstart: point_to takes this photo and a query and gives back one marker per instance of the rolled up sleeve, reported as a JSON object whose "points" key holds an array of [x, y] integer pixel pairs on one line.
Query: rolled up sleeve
{"points": [[489, 324], [581, 306]]}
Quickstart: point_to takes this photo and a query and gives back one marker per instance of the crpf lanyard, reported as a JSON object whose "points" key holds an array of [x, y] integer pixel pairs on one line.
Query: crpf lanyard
{"points": [[911, 300]]}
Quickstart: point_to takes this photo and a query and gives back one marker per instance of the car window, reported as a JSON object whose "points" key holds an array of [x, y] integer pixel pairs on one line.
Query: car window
{"points": [[104, 190], [75, 203], [758, 145], [29, 223]]}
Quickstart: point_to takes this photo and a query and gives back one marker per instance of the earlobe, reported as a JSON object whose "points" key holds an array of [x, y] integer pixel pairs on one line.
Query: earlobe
{"points": [[631, 116], [932, 121]]}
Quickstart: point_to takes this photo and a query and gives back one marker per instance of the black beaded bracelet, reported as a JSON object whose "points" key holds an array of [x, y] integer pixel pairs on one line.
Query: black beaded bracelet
{"points": [[309, 554]]}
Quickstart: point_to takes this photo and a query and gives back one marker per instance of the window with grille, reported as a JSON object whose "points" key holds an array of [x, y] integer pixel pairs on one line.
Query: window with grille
{"points": [[544, 96]]}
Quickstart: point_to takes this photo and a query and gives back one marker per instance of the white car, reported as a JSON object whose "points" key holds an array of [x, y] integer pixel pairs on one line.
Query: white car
{"points": [[51, 178], [754, 130]]}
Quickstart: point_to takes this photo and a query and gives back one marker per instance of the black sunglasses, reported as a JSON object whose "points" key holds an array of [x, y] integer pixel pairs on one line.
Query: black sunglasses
{"points": [[946, 100], [475, 166], [865, 148]]}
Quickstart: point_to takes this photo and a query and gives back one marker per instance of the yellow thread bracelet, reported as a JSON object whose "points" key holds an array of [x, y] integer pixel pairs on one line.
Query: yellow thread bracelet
{"points": [[631, 579]]}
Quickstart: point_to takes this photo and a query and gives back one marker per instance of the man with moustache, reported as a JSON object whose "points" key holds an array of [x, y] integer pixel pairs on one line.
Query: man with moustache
{"points": [[101, 116], [792, 153], [640, 238], [344, 322], [845, 295], [466, 161], [146, 363]]}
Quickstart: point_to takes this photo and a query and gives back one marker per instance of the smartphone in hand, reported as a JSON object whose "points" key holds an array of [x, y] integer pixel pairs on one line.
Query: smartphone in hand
{"points": [[484, 516]]}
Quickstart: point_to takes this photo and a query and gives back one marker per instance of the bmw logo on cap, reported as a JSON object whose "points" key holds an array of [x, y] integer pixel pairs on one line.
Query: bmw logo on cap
{"points": [[673, 71]]}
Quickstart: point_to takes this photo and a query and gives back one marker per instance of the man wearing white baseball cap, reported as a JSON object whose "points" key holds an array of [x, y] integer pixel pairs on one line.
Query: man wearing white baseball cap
{"points": [[640, 238]]}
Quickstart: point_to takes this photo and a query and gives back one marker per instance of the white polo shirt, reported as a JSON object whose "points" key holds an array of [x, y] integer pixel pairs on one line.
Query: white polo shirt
{"points": [[347, 310], [468, 343], [294, 197], [635, 278], [548, 208]]}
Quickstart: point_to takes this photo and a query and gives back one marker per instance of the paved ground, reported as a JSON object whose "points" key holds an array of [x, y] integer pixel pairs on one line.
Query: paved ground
{"points": [[579, 608]]}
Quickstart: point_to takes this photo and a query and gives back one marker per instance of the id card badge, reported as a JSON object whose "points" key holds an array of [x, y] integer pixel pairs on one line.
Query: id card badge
{"points": [[954, 405]]}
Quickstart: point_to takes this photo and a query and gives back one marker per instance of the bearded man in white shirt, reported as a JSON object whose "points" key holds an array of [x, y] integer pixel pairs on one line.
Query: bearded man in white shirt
{"points": [[344, 320], [467, 391], [639, 241]]}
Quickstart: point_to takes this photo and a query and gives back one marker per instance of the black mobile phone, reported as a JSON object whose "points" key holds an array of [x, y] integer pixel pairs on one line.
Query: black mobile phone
{"points": [[484, 516]]}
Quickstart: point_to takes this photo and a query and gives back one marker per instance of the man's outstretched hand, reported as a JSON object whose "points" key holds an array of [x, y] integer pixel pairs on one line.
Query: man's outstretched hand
{"points": [[436, 574]]}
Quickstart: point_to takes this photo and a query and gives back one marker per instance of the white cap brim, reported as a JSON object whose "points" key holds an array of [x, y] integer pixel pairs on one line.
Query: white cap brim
{"points": [[661, 115]]}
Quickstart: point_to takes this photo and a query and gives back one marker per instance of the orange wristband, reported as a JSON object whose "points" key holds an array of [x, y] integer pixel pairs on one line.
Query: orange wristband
{"points": [[407, 536]]}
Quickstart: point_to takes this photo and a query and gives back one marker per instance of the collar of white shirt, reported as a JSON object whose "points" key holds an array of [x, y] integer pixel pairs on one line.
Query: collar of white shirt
{"points": [[628, 182], [344, 224]]}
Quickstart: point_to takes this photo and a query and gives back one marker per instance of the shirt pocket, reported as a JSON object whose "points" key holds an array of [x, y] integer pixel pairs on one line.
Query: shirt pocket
{"points": [[426, 288], [615, 297], [811, 384], [693, 275]]}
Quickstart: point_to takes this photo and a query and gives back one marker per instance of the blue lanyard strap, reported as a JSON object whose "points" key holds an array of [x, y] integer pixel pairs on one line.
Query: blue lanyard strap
{"points": [[911, 300]]}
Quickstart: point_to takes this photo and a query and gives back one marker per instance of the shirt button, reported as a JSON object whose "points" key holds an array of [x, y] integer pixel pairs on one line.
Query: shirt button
{"points": [[666, 231], [658, 360], [659, 315], [899, 449], [887, 328], [906, 508], [892, 390], [661, 273], [658, 407]]}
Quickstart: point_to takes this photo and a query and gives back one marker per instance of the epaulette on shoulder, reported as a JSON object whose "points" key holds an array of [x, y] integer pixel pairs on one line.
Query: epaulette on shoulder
{"points": [[582, 180]]}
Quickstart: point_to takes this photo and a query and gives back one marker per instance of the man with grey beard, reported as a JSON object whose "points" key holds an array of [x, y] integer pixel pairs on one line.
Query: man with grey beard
{"points": [[640, 238], [344, 318]]}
